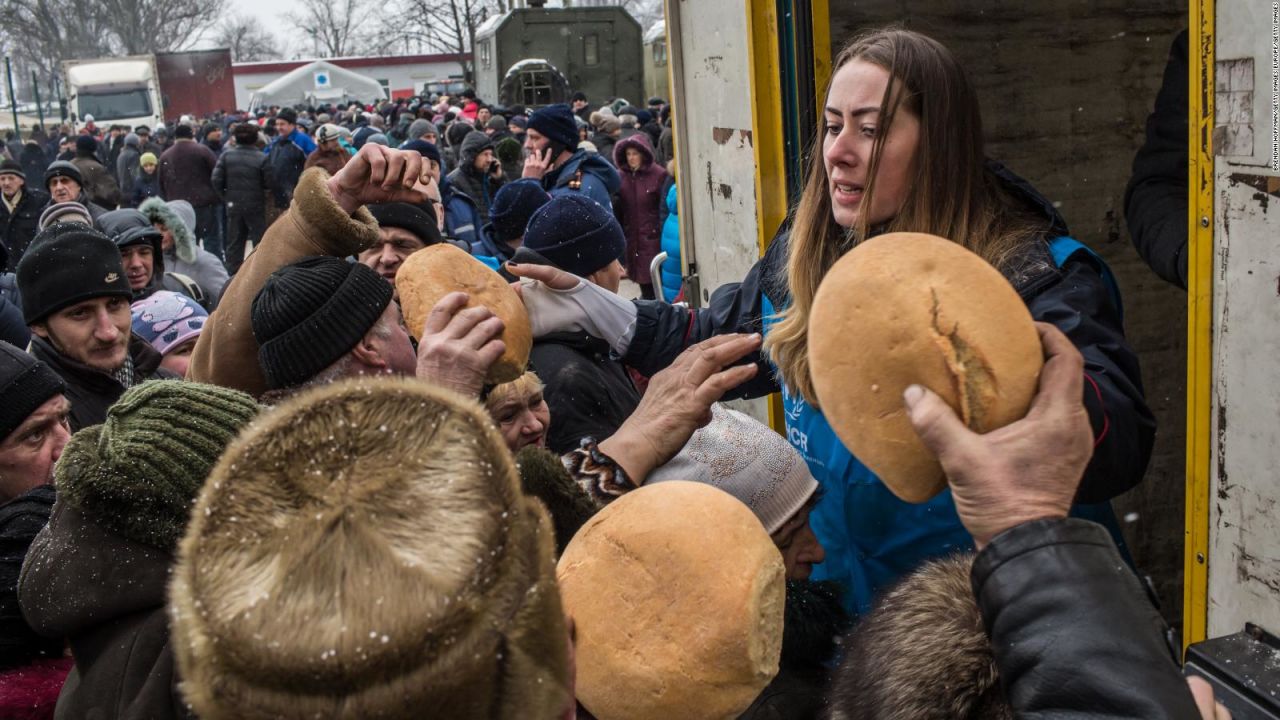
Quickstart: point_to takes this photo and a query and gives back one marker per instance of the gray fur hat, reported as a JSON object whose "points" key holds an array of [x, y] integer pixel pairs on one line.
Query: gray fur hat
{"points": [[180, 218]]}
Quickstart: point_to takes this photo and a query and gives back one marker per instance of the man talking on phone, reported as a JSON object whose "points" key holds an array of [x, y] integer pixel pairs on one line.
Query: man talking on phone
{"points": [[554, 158]]}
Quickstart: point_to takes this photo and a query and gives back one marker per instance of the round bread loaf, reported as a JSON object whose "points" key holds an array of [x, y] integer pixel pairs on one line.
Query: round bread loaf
{"points": [[909, 308], [677, 595], [435, 271]]}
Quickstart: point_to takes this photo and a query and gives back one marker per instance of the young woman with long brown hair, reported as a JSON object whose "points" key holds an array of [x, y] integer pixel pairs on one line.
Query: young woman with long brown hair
{"points": [[901, 149]]}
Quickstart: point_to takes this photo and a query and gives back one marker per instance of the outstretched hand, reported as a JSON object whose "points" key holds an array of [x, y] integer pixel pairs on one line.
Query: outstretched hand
{"points": [[1027, 470], [678, 402], [379, 174]]}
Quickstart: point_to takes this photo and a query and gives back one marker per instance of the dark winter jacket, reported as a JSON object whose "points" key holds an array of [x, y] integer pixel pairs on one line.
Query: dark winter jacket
{"points": [[92, 391], [666, 150], [478, 185], [589, 392], [22, 225], [1155, 202], [20, 519], [461, 216], [95, 210], [287, 156], [127, 171], [106, 595], [331, 160], [587, 173], [604, 145], [13, 328], [96, 182], [871, 538], [242, 177], [34, 160], [813, 622], [186, 172], [1073, 632], [145, 186], [639, 206]]}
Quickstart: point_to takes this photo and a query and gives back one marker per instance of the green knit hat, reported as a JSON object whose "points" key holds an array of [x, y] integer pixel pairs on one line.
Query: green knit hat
{"points": [[138, 473]]}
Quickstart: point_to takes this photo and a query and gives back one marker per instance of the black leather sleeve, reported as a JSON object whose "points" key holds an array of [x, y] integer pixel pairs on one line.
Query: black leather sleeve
{"points": [[1073, 634]]}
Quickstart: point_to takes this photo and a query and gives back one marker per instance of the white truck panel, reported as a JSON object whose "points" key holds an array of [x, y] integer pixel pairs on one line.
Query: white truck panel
{"points": [[1244, 529]]}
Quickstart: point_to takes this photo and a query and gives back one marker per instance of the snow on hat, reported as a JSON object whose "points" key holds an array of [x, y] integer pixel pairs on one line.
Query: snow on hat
{"points": [[168, 319], [392, 569], [68, 263], [748, 460], [574, 233], [64, 212], [556, 123], [513, 205]]}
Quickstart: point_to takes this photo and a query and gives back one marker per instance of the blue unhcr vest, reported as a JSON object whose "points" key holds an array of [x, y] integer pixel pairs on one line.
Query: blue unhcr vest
{"points": [[871, 537]]}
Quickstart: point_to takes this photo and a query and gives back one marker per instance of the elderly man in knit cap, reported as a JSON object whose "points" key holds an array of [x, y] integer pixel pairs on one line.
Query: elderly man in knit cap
{"points": [[552, 141], [64, 183], [97, 574], [19, 213], [403, 575], [75, 299], [589, 391], [297, 313], [33, 432], [96, 179], [403, 229]]}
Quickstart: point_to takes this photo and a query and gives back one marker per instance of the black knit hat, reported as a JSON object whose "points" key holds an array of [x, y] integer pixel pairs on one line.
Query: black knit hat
{"points": [[312, 312], [556, 123], [12, 167], [512, 207], [62, 168], [288, 115], [423, 148], [419, 222], [25, 385], [574, 233], [65, 264]]}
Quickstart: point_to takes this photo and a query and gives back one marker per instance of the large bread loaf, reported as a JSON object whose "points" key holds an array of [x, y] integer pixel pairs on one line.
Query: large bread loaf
{"points": [[435, 271], [909, 308]]}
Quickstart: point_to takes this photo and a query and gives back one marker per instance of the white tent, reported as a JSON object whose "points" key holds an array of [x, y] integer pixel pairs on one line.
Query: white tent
{"points": [[317, 82]]}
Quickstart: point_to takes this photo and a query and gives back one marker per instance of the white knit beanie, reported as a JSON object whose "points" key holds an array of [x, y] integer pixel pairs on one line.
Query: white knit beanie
{"points": [[748, 460]]}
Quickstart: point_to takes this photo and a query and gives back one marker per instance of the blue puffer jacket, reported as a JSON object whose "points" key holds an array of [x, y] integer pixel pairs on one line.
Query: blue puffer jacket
{"points": [[461, 216], [599, 179], [672, 279], [871, 537]]}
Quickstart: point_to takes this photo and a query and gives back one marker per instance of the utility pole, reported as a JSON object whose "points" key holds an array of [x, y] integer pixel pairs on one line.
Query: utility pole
{"points": [[13, 99], [35, 86]]}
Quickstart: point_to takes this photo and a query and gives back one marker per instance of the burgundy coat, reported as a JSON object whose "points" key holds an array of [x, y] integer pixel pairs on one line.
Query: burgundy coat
{"points": [[186, 173], [637, 206]]}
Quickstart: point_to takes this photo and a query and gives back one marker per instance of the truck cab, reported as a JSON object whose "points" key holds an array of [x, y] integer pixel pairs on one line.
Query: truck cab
{"points": [[122, 91]]}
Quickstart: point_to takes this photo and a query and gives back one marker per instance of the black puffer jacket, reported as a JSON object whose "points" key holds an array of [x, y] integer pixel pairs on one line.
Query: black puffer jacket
{"points": [[1073, 633], [20, 519], [1155, 202], [241, 178], [588, 392], [92, 391]]}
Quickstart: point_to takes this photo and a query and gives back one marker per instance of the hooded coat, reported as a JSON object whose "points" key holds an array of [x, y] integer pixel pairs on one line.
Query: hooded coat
{"points": [[478, 185], [185, 256], [638, 206], [127, 228]]}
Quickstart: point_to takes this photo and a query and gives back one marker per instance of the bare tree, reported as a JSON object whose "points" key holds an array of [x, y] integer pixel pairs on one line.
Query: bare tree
{"points": [[147, 26], [447, 26], [335, 26], [246, 38], [44, 32]]}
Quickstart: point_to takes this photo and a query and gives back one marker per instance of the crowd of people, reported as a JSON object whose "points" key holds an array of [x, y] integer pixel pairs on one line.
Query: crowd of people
{"points": [[234, 484]]}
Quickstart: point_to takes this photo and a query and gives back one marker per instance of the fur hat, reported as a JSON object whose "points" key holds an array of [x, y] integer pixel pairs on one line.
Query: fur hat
{"points": [[543, 476], [748, 460], [923, 652], [365, 551], [148, 158], [179, 218], [138, 473]]}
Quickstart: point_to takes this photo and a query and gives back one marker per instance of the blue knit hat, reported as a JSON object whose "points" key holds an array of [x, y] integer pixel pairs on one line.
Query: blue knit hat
{"points": [[574, 233], [556, 122], [512, 207]]}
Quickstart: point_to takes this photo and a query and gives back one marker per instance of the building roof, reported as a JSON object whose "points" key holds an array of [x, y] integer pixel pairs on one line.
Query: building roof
{"points": [[272, 66]]}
